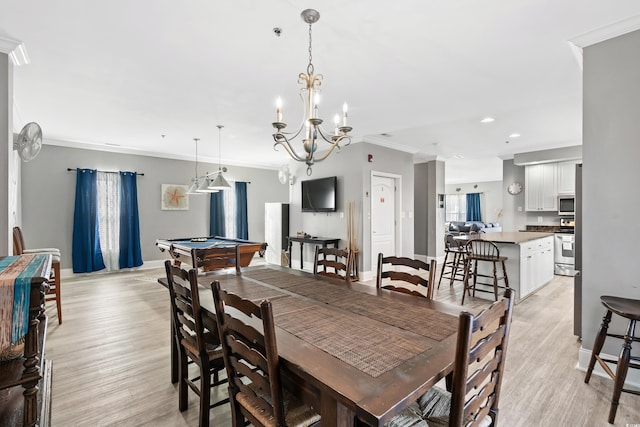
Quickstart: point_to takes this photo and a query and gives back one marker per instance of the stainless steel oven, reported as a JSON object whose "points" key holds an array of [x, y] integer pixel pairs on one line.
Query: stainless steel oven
{"points": [[565, 255]]}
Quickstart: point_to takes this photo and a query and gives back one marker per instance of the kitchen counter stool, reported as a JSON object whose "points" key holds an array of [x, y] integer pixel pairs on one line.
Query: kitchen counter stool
{"points": [[629, 309]]}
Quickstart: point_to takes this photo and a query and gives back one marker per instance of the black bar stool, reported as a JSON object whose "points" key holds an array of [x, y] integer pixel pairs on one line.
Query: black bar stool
{"points": [[479, 251], [629, 309], [453, 268]]}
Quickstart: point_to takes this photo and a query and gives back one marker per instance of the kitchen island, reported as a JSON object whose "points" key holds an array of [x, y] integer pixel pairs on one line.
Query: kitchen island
{"points": [[530, 259]]}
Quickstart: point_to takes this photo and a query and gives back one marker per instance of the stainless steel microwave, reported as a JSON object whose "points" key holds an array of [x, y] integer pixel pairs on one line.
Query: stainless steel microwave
{"points": [[567, 205]]}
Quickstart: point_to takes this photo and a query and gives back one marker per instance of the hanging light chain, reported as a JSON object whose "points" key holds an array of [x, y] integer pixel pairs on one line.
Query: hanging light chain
{"points": [[310, 66]]}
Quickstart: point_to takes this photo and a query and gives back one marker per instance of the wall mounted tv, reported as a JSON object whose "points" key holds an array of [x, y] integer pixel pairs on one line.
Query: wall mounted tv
{"points": [[319, 195]]}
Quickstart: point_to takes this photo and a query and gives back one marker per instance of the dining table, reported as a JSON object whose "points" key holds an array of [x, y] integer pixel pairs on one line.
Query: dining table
{"points": [[356, 352]]}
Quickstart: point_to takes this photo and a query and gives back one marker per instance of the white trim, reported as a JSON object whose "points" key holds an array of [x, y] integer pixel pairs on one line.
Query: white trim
{"points": [[607, 32], [584, 356], [16, 50], [388, 143]]}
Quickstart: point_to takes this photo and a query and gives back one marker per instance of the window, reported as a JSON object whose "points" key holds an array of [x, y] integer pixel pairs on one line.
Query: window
{"points": [[230, 211], [455, 207]]}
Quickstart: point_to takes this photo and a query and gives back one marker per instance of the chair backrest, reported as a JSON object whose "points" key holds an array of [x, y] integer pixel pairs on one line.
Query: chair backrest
{"points": [[216, 258], [250, 354], [479, 363], [333, 262], [482, 249], [412, 272], [18, 241], [449, 241], [192, 330]]}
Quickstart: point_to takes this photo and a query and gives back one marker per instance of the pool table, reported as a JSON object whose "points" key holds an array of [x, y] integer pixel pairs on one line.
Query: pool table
{"points": [[180, 249]]}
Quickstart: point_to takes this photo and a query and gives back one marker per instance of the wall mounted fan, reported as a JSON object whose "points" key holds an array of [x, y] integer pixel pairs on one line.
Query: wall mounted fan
{"points": [[28, 142], [284, 175]]}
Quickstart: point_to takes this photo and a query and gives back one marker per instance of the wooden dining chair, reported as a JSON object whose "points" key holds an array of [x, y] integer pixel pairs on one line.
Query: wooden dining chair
{"points": [[216, 258], [251, 356], [55, 292], [406, 275], [197, 340], [333, 262], [477, 371]]}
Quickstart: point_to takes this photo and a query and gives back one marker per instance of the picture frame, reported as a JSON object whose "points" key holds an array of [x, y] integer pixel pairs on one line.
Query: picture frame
{"points": [[174, 197]]}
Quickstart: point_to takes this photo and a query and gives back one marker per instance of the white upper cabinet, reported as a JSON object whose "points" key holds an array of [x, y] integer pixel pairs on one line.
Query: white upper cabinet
{"points": [[541, 187], [567, 177]]}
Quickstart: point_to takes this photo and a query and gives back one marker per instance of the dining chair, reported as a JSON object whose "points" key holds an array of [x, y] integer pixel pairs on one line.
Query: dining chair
{"points": [[197, 341], [406, 275], [478, 369], [333, 262], [216, 258], [54, 292], [251, 356], [453, 267], [484, 251]]}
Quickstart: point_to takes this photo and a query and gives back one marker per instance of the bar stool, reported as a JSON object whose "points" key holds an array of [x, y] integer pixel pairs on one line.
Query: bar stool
{"points": [[629, 309], [479, 251], [452, 269]]}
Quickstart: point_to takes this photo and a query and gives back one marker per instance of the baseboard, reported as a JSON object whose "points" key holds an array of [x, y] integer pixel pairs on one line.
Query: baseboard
{"points": [[584, 356], [66, 273], [426, 258]]}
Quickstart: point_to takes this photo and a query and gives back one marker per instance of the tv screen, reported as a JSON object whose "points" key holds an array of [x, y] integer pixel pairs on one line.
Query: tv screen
{"points": [[319, 195]]}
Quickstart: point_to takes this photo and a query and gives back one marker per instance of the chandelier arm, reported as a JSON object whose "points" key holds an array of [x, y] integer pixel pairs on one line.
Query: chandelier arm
{"points": [[284, 142]]}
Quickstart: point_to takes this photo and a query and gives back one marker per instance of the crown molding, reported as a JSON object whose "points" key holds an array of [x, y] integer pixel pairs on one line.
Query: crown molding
{"points": [[385, 142], [16, 50]]}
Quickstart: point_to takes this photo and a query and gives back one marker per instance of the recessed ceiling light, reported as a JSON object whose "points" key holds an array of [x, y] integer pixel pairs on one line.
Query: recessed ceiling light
{"points": [[458, 156], [487, 120], [385, 134], [514, 135]]}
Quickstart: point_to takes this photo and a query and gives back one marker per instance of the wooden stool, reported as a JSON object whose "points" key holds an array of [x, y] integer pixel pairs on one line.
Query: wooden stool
{"points": [[453, 269], [629, 309], [478, 251]]}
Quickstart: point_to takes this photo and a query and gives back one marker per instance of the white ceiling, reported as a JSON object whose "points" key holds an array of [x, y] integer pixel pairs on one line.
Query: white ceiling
{"points": [[117, 75]]}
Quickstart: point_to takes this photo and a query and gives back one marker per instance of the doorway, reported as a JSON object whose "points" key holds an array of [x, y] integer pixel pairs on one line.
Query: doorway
{"points": [[385, 212]]}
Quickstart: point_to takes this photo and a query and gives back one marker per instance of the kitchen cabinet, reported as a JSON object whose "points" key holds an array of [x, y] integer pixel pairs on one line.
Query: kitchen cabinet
{"points": [[541, 187], [567, 177], [536, 264]]}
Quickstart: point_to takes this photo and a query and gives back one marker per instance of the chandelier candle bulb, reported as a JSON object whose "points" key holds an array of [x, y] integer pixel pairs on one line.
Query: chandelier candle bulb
{"points": [[279, 110], [345, 108], [336, 121]]}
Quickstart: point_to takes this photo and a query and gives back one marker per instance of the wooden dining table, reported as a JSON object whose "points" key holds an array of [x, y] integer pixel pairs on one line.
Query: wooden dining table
{"points": [[355, 351]]}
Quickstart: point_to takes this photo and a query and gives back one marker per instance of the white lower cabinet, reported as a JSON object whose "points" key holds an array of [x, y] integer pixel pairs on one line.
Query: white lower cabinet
{"points": [[536, 264]]}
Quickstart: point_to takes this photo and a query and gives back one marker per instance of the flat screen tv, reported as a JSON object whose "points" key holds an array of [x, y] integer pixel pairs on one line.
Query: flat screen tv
{"points": [[319, 195]]}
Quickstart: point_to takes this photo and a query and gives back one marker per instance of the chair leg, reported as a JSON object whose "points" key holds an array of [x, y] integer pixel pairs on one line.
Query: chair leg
{"points": [[56, 271], [504, 274], [454, 268], [621, 371], [597, 345], [495, 281], [205, 393], [183, 369], [444, 266]]}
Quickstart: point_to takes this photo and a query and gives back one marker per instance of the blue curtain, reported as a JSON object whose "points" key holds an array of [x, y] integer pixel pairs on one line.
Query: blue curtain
{"points": [[85, 253], [216, 214], [473, 207], [242, 225], [130, 253]]}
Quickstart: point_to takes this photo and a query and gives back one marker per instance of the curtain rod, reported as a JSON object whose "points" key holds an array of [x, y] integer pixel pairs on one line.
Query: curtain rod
{"points": [[74, 170]]}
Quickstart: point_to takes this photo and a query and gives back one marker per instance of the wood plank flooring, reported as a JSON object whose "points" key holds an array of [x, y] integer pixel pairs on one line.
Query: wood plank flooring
{"points": [[111, 359]]}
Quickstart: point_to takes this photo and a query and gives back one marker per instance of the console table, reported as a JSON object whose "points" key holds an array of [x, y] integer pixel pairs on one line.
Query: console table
{"points": [[27, 378], [323, 241]]}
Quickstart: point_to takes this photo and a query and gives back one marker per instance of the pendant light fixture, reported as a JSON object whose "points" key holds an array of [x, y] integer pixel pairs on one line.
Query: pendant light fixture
{"points": [[196, 187], [219, 183]]}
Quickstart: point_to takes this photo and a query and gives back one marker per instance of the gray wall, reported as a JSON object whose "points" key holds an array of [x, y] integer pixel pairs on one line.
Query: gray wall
{"points": [[353, 170], [48, 192], [611, 108]]}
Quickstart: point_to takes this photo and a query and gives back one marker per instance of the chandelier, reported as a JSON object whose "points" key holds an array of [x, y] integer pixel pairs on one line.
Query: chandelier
{"points": [[206, 184], [311, 123]]}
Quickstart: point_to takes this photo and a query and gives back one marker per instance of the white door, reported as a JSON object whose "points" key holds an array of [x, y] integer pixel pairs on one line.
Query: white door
{"points": [[383, 220]]}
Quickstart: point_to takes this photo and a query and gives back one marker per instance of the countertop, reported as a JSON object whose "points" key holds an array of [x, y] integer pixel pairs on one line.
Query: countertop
{"points": [[507, 237]]}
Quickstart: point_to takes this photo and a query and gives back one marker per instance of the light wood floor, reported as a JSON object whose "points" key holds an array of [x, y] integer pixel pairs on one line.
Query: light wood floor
{"points": [[111, 359]]}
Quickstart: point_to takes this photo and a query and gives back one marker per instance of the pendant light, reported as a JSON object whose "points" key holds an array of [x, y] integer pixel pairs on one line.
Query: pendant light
{"points": [[219, 183]]}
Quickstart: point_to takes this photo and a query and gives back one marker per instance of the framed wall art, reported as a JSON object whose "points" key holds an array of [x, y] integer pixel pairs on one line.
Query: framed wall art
{"points": [[174, 197]]}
